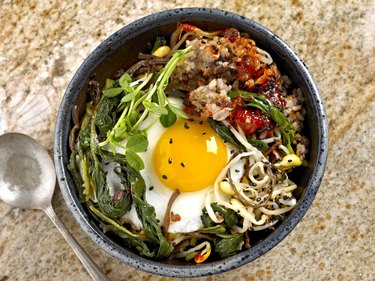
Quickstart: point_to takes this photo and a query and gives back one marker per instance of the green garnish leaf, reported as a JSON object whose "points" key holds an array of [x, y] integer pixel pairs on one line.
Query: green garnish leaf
{"points": [[168, 120], [112, 92], [177, 111], [154, 107], [134, 160], [120, 132], [125, 80], [108, 84], [137, 143], [129, 96]]}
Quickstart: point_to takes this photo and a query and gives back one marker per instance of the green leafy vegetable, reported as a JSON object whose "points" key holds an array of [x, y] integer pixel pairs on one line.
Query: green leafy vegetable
{"points": [[261, 145], [213, 229], [144, 247], [230, 216], [107, 204], [114, 120], [227, 245], [225, 133], [113, 223], [146, 213], [74, 170], [105, 114]]}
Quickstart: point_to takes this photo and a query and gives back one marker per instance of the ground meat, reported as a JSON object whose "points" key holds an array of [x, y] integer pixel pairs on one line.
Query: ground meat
{"points": [[208, 60], [218, 64]]}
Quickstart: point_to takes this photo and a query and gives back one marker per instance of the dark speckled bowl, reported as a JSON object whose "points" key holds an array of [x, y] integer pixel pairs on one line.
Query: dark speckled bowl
{"points": [[120, 50]]}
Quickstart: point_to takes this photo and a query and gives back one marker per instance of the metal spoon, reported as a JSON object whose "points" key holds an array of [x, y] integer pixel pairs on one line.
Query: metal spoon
{"points": [[27, 181]]}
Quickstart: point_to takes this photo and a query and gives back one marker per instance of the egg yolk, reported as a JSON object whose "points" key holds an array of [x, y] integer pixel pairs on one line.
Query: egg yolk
{"points": [[189, 156]]}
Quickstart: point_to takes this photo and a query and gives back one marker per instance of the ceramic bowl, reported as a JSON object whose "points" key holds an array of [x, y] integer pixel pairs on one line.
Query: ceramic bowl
{"points": [[120, 51]]}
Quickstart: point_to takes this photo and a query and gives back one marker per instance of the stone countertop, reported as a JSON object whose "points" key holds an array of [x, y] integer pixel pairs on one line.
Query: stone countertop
{"points": [[44, 42]]}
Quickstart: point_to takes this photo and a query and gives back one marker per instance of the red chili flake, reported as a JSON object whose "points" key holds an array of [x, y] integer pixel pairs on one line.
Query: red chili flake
{"points": [[175, 217]]}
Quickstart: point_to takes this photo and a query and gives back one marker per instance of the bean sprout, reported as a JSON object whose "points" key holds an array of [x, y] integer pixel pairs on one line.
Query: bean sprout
{"points": [[260, 197]]}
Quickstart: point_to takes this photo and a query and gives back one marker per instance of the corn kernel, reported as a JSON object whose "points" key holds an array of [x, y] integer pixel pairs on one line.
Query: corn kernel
{"points": [[236, 203], [289, 161], [162, 51], [245, 180], [226, 188]]}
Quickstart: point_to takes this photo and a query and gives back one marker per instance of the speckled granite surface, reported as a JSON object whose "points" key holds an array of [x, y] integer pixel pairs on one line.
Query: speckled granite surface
{"points": [[44, 42]]}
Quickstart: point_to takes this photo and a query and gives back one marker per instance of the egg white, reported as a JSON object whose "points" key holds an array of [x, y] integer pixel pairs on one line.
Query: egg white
{"points": [[188, 205]]}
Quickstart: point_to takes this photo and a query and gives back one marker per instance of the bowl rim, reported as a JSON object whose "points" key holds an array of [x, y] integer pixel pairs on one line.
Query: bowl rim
{"points": [[126, 256]]}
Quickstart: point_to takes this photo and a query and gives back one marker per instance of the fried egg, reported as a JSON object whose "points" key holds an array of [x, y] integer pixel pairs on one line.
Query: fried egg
{"points": [[187, 156]]}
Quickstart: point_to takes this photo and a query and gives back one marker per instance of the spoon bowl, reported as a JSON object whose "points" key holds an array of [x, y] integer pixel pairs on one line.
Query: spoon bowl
{"points": [[27, 174], [27, 181]]}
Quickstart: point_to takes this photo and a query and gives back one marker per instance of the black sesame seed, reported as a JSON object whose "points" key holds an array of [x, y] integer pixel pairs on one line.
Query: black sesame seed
{"points": [[201, 122], [151, 188], [170, 140], [164, 177], [232, 151], [191, 120], [183, 164], [203, 133], [186, 126], [237, 171], [169, 160], [290, 160]]}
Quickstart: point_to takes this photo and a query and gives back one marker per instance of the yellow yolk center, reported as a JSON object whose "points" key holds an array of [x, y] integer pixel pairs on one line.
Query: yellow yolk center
{"points": [[189, 156]]}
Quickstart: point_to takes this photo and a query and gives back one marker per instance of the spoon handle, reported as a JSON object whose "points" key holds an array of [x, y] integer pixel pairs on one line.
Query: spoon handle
{"points": [[91, 267]]}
